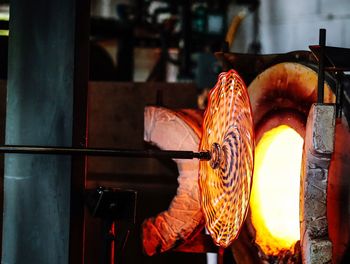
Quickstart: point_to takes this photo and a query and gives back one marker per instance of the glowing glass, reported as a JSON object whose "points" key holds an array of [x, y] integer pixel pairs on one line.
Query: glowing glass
{"points": [[225, 182]]}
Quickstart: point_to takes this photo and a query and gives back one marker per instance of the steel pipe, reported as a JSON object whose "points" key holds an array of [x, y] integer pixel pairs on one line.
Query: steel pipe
{"points": [[125, 153]]}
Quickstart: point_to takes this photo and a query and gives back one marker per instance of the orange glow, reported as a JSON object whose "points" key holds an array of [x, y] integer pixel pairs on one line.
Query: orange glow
{"points": [[275, 193], [225, 181]]}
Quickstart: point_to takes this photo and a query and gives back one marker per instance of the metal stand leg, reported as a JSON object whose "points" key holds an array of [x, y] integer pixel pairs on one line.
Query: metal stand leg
{"points": [[221, 255], [108, 242], [117, 210]]}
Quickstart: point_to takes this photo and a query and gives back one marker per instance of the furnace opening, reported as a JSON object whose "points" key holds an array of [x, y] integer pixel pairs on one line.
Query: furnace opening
{"points": [[275, 192]]}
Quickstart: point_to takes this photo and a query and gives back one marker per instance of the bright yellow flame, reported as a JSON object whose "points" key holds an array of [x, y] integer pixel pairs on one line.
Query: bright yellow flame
{"points": [[275, 193]]}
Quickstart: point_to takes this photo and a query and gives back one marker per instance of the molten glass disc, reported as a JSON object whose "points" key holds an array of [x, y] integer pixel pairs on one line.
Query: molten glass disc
{"points": [[225, 182]]}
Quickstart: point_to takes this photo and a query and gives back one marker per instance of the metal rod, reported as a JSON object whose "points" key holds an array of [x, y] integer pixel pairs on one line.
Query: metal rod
{"points": [[322, 43], [149, 153], [339, 94]]}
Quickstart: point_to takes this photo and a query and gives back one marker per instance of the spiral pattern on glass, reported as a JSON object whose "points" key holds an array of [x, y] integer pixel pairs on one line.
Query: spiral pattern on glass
{"points": [[226, 181]]}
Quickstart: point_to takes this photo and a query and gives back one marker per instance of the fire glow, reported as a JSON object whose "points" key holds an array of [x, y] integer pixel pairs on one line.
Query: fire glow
{"points": [[275, 192]]}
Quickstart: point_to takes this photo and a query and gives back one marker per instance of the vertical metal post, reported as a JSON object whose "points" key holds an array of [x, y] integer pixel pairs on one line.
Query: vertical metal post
{"points": [[322, 43], [45, 69], [185, 59], [339, 94], [79, 136], [2, 141]]}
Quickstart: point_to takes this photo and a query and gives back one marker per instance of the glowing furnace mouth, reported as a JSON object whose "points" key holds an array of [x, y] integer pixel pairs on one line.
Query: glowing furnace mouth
{"points": [[275, 193]]}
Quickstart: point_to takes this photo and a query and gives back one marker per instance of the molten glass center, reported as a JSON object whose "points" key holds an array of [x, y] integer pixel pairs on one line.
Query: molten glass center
{"points": [[275, 192]]}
